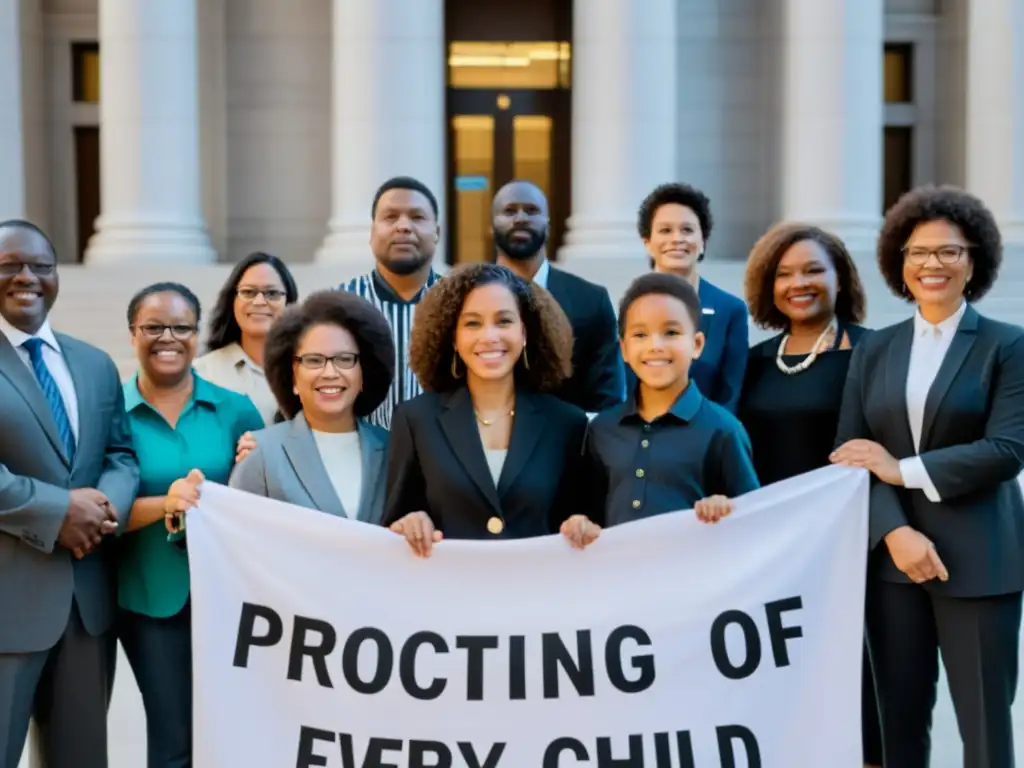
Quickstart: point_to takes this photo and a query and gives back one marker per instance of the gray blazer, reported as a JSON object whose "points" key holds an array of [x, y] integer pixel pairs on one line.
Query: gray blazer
{"points": [[38, 577], [286, 465]]}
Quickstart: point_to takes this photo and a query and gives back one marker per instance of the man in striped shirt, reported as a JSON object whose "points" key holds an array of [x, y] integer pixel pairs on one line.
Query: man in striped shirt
{"points": [[403, 238]]}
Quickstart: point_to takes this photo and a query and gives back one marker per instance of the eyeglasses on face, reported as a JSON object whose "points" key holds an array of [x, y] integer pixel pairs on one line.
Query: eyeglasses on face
{"points": [[270, 295], [314, 361], [180, 332], [946, 254], [15, 268]]}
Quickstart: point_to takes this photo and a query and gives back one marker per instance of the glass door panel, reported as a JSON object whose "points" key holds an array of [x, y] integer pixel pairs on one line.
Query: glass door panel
{"points": [[531, 150], [473, 150]]}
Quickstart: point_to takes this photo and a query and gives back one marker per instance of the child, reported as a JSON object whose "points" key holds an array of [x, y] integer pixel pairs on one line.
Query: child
{"points": [[667, 448]]}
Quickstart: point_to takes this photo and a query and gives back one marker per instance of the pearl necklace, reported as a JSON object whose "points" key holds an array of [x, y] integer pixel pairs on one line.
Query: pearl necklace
{"points": [[807, 362]]}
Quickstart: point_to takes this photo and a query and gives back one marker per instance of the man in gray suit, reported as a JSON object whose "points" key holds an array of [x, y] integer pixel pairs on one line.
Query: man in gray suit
{"points": [[68, 477]]}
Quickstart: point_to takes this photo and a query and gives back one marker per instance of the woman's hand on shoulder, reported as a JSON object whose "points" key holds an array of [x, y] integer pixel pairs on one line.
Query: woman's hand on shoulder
{"points": [[580, 531], [419, 531], [246, 444]]}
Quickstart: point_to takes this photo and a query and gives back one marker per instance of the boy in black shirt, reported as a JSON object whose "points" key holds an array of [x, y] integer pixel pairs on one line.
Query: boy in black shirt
{"points": [[667, 448]]}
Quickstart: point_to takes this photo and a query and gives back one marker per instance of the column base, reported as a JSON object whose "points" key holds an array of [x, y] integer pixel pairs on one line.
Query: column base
{"points": [[606, 251], [347, 243], [156, 241]]}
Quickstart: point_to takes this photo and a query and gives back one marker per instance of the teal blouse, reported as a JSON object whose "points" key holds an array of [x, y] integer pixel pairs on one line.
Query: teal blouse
{"points": [[153, 577]]}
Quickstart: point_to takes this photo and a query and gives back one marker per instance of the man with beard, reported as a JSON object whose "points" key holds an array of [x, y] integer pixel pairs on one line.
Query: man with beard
{"points": [[519, 218], [403, 238]]}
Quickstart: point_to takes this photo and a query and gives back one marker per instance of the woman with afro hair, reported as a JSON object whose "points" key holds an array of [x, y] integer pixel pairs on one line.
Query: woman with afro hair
{"points": [[486, 452], [934, 408]]}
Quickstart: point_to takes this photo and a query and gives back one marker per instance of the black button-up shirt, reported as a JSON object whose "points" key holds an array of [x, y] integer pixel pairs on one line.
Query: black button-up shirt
{"points": [[695, 450]]}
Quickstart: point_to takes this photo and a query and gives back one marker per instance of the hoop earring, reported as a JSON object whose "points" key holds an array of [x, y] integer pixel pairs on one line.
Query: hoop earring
{"points": [[526, 360], [455, 370]]}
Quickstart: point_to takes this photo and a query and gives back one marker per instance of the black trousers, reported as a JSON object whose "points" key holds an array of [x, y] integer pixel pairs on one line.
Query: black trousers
{"points": [[160, 654], [979, 642]]}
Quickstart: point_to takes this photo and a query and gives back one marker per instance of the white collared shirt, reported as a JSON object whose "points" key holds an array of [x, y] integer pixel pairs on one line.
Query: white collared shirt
{"points": [[541, 278], [927, 351], [231, 368], [54, 361]]}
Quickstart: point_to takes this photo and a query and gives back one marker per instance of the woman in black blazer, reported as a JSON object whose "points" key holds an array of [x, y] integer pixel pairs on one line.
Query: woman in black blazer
{"points": [[485, 453], [934, 408]]}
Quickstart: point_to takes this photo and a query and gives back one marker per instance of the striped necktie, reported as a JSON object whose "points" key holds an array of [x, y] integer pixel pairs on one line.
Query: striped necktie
{"points": [[51, 392]]}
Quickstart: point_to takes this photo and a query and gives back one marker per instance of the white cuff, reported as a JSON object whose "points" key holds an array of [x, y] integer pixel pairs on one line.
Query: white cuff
{"points": [[916, 476]]}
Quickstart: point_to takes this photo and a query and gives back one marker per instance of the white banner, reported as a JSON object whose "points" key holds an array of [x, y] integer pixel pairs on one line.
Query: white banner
{"points": [[668, 644]]}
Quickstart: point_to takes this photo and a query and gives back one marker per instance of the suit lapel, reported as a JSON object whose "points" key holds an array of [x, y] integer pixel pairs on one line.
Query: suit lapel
{"points": [[373, 470], [896, 369], [527, 425], [300, 448], [459, 426], [13, 368], [959, 348]]}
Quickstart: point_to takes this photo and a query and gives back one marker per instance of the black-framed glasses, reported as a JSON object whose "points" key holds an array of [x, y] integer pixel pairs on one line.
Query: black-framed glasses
{"points": [[946, 254], [270, 295], [14, 268], [314, 361], [179, 332]]}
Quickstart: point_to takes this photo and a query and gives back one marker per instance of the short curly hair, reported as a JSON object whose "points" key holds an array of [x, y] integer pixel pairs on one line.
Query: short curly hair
{"points": [[941, 203], [659, 284], [763, 263], [675, 194], [349, 311], [549, 335]]}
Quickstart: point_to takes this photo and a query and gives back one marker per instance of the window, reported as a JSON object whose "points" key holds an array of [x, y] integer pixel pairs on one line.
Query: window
{"points": [[898, 73], [898, 169], [85, 72]]}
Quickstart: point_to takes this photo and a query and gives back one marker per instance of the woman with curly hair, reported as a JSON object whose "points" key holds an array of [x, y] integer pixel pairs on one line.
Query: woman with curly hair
{"points": [[934, 409], [329, 361], [252, 298], [675, 223], [802, 282], [486, 452]]}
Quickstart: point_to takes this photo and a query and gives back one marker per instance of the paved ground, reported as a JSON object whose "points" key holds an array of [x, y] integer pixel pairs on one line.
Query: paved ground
{"points": [[128, 737]]}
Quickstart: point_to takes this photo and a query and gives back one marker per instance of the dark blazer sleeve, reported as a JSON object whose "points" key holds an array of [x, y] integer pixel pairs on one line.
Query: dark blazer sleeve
{"points": [[997, 457], [602, 379], [886, 511], [734, 359], [572, 486], [594, 488], [119, 481], [405, 482]]}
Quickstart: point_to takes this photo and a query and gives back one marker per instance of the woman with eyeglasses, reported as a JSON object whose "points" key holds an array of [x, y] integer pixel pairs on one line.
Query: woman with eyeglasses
{"points": [[179, 422], [253, 297], [933, 407]]}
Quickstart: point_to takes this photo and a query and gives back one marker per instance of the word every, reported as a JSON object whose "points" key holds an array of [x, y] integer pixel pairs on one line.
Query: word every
{"points": [[660, 750]]}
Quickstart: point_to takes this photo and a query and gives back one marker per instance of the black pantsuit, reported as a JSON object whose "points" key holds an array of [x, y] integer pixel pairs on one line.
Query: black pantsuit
{"points": [[437, 465], [972, 448]]}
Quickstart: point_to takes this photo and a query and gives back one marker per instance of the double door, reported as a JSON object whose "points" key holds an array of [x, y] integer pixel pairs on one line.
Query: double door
{"points": [[495, 136]]}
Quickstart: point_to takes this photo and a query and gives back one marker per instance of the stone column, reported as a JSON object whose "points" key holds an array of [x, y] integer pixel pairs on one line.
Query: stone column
{"points": [[995, 112], [388, 114], [832, 117], [149, 135], [12, 145], [624, 135]]}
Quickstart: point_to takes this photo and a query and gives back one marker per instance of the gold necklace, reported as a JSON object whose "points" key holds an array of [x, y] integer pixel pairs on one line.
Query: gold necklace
{"points": [[487, 423]]}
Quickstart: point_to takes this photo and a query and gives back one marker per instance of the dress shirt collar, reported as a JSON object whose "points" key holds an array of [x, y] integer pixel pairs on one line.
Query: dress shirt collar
{"points": [[944, 329], [17, 338], [202, 392], [684, 409], [239, 359], [543, 271], [387, 293]]}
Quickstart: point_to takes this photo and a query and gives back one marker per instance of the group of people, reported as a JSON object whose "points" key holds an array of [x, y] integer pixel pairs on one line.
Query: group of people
{"points": [[509, 400]]}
